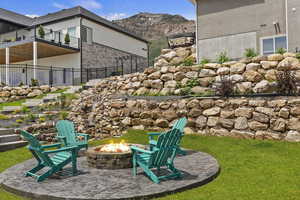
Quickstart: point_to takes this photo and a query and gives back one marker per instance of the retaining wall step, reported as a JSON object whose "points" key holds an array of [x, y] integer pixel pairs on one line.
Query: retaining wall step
{"points": [[12, 145], [9, 138], [7, 131], [10, 109]]}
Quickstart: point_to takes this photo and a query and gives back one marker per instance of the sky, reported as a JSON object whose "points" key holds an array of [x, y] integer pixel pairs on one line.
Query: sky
{"points": [[110, 9]]}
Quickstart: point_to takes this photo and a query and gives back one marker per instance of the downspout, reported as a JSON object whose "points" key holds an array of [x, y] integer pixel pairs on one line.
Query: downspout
{"points": [[287, 25]]}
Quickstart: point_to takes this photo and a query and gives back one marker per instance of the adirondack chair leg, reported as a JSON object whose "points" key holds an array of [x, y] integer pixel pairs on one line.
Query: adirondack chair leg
{"points": [[181, 152], [175, 171], [45, 175], [152, 176], [134, 165], [74, 163], [34, 170]]}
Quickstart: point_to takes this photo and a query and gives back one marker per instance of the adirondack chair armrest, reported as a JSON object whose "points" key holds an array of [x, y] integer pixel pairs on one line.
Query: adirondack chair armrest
{"points": [[62, 138], [86, 136], [57, 145], [151, 135], [73, 148], [137, 149]]}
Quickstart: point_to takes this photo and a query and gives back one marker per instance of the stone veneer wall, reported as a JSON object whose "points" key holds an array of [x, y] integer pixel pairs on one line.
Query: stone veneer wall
{"points": [[256, 118], [99, 56]]}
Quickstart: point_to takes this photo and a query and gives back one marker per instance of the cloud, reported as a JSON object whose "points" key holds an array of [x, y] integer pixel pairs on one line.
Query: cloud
{"points": [[60, 6], [32, 15], [88, 4], [115, 16]]}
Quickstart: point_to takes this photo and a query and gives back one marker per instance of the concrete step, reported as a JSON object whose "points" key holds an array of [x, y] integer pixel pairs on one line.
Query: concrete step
{"points": [[10, 109], [51, 97], [9, 138], [12, 145], [7, 131]]}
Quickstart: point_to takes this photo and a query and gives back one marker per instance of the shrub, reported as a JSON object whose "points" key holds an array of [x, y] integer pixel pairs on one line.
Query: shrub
{"points": [[204, 61], [286, 83], [188, 62], [298, 56], [42, 119], [34, 82], [193, 83], [25, 109], [31, 117], [225, 87], [281, 50], [19, 121], [21, 84], [41, 32], [3, 117], [185, 91], [67, 39], [63, 115], [222, 57], [250, 53]]}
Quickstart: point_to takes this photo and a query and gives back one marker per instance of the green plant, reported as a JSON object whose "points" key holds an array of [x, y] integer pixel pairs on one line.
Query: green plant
{"points": [[298, 56], [42, 119], [204, 61], [193, 83], [41, 32], [250, 53], [67, 39], [222, 57], [188, 62], [30, 117], [63, 115], [25, 109], [3, 117], [281, 50], [19, 121], [286, 83], [225, 87], [34, 82], [21, 84], [185, 91]]}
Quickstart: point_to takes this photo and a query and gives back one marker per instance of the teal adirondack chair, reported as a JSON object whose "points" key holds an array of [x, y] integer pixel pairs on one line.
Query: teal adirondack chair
{"points": [[162, 155], [179, 124], [61, 157], [67, 135]]}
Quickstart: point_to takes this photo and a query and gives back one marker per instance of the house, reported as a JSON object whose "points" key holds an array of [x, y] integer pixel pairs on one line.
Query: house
{"points": [[234, 25], [70, 46]]}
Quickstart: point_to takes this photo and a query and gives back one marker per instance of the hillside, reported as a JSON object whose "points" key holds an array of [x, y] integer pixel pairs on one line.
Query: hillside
{"points": [[156, 27]]}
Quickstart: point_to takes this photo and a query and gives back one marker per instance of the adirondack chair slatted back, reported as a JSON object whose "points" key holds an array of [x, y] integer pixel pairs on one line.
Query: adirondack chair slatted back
{"points": [[166, 148], [36, 148], [180, 124], [66, 129]]}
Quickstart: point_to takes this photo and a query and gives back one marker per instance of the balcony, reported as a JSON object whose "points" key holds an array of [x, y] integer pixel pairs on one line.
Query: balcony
{"points": [[49, 36]]}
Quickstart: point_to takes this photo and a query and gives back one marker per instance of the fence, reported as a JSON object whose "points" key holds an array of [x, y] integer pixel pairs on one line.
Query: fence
{"points": [[22, 74]]}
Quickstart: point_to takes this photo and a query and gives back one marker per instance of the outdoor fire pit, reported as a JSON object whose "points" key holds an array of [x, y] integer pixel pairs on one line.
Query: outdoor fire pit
{"points": [[110, 156]]}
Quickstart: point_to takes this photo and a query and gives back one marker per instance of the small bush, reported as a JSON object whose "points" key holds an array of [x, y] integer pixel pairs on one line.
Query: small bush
{"points": [[25, 109], [286, 83], [225, 87], [298, 56], [185, 91], [188, 62], [31, 117], [34, 82], [193, 83], [250, 53], [42, 119], [3, 117], [19, 121], [41, 32], [222, 57], [21, 84], [281, 50], [204, 61], [63, 115], [67, 39]]}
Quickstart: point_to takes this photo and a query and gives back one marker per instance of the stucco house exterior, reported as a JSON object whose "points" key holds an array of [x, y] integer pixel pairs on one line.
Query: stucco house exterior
{"points": [[234, 25], [94, 43]]}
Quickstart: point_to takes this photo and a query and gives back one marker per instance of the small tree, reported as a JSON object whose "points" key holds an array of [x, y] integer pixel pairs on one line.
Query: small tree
{"points": [[281, 50], [41, 32], [67, 39], [222, 57]]}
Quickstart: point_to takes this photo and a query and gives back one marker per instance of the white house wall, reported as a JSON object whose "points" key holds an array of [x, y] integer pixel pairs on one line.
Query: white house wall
{"points": [[109, 37], [64, 25], [66, 61]]}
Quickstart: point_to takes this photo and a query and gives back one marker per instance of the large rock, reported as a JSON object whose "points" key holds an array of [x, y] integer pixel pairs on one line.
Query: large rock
{"points": [[183, 52], [212, 111], [192, 74], [244, 112], [157, 84], [223, 71], [244, 87], [238, 68], [212, 121], [293, 136], [254, 125], [271, 75], [288, 63], [201, 122], [207, 73], [162, 123], [268, 64], [262, 86], [169, 56], [236, 78], [241, 123], [212, 66], [275, 57], [278, 125], [170, 84], [253, 66], [252, 76], [260, 117], [201, 90], [195, 112], [178, 76], [155, 75], [35, 93], [226, 123], [268, 111], [242, 134], [161, 62], [294, 124], [284, 113], [167, 77], [227, 114]]}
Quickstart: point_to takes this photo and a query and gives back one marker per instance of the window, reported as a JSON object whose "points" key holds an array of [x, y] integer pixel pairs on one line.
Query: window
{"points": [[271, 44], [72, 31], [87, 34]]}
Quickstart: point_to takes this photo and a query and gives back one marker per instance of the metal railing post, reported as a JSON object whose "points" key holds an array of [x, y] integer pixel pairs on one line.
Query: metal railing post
{"points": [[87, 75], [26, 74], [72, 76], [105, 70], [51, 77]]}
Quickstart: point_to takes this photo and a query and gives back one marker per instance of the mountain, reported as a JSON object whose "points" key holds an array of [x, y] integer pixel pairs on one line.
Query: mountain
{"points": [[156, 27]]}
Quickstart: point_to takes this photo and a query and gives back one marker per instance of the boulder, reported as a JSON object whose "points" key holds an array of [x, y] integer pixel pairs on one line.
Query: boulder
{"points": [[170, 84], [35, 93], [178, 76], [162, 123], [275, 57], [157, 84], [268, 64], [294, 124], [169, 56], [260, 117], [227, 114], [207, 73], [262, 86], [195, 112], [155, 75], [212, 66], [238, 68], [284, 113], [161, 62], [212, 111], [242, 134], [278, 125], [226, 123], [253, 66], [241, 123], [201, 90], [244, 87], [293, 136], [252, 76], [236, 78], [244, 112], [271, 75], [212, 121], [288, 63], [255, 125], [259, 58], [201, 122], [223, 71]]}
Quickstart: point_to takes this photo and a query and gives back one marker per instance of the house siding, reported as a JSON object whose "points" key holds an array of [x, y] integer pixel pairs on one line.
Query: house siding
{"points": [[294, 24], [230, 18]]}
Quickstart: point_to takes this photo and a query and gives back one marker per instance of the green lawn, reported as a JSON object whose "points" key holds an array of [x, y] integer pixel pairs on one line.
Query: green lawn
{"points": [[251, 170]]}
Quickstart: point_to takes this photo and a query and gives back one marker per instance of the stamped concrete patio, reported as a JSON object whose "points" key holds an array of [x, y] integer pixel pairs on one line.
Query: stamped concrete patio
{"points": [[94, 184]]}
